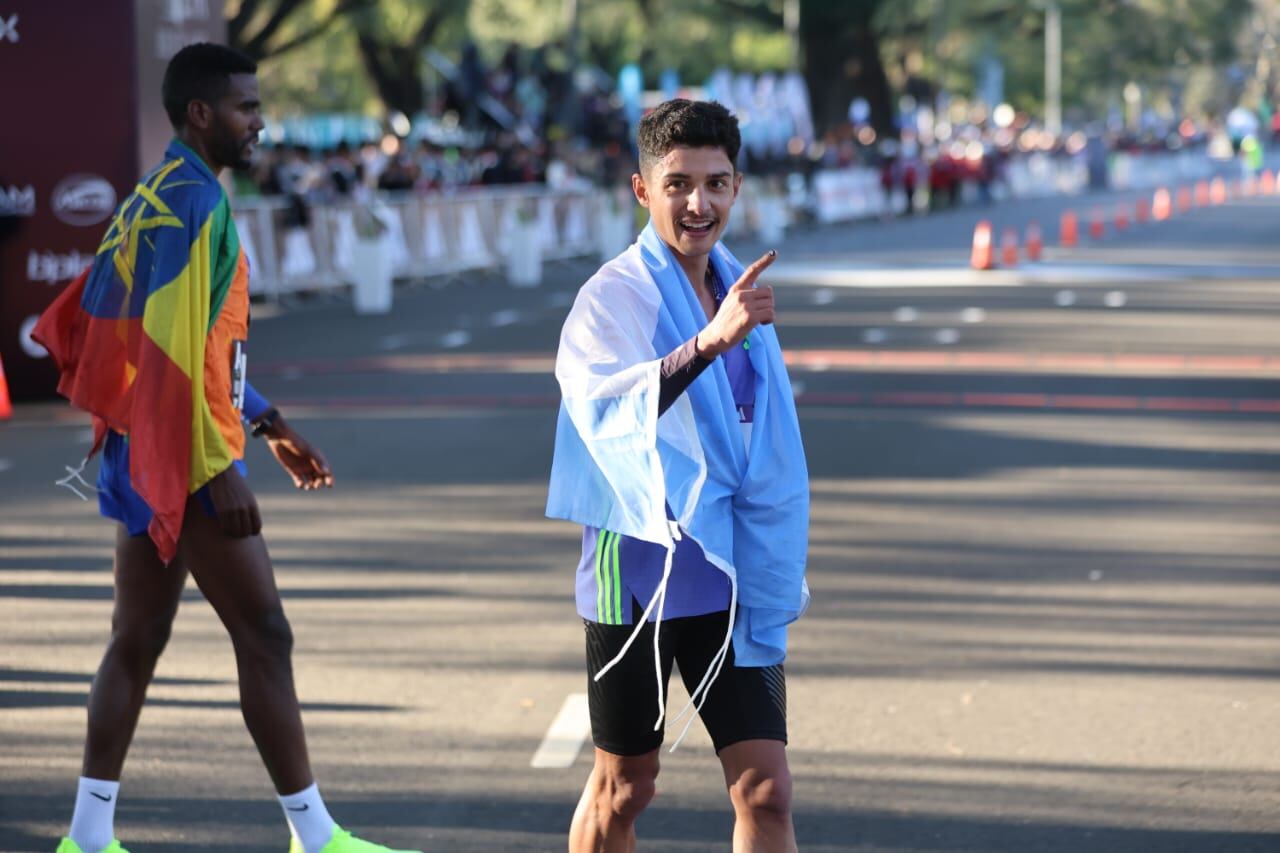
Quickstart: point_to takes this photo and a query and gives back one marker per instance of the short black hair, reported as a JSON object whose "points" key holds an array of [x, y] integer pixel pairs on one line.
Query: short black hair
{"points": [[697, 124], [200, 72]]}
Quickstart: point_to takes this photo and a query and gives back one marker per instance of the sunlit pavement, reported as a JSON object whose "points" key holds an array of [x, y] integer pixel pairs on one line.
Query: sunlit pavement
{"points": [[1043, 560]]}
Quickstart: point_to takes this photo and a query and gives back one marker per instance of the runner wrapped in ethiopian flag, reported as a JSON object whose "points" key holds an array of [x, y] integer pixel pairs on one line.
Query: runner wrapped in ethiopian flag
{"points": [[152, 326]]}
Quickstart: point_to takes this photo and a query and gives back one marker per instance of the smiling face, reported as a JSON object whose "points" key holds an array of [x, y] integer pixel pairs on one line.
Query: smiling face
{"points": [[689, 193]]}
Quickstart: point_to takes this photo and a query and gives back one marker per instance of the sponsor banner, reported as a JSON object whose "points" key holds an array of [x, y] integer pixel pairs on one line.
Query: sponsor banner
{"points": [[62, 169], [91, 106], [17, 200], [83, 200]]}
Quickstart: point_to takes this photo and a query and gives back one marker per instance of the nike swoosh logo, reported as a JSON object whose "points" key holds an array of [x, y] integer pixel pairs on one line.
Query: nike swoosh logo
{"points": [[305, 806], [105, 799]]}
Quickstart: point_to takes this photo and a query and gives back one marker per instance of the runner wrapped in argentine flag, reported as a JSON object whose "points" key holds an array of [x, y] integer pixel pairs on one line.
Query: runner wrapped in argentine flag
{"points": [[618, 466]]}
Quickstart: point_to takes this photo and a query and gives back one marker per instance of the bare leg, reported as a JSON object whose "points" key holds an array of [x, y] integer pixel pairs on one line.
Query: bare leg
{"points": [[146, 600], [617, 792], [759, 783], [236, 577]]}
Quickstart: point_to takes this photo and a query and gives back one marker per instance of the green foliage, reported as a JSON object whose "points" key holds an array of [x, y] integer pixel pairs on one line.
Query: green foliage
{"points": [[1163, 45]]}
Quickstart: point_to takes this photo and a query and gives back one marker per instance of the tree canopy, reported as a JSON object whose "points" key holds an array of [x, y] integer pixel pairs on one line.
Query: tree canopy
{"points": [[367, 55]]}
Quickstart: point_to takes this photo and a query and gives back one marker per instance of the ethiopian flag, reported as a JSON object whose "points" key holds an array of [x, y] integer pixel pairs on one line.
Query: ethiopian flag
{"points": [[144, 338]]}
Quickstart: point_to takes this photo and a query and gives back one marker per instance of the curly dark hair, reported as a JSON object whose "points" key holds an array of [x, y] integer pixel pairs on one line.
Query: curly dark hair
{"points": [[696, 124]]}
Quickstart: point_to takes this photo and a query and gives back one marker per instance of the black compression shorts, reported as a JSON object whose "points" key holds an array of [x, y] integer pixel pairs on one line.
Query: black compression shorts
{"points": [[744, 703]]}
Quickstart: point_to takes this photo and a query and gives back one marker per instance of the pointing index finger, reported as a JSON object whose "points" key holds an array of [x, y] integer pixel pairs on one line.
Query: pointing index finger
{"points": [[748, 279]]}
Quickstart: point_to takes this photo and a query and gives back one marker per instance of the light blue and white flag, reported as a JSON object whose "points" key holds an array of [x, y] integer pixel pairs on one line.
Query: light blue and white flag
{"points": [[617, 465]]}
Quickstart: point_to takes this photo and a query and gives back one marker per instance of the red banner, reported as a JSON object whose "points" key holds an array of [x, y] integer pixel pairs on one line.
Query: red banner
{"points": [[81, 98]]}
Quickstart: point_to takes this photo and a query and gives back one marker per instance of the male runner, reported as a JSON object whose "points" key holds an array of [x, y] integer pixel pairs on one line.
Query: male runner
{"points": [[149, 341], [678, 450]]}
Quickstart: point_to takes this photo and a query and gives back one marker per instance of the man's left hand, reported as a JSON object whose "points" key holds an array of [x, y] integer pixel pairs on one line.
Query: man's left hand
{"points": [[304, 463]]}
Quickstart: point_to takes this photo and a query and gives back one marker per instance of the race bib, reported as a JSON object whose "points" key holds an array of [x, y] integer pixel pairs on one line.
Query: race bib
{"points": [[239, 364]]}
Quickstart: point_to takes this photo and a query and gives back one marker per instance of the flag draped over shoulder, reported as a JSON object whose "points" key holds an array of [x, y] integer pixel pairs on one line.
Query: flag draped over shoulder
{"points": [[144, 337], [617, 464]]}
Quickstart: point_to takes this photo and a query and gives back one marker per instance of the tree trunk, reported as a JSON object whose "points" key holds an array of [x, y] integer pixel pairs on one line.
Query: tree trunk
{"points": [[842, 62], [395, 73]]}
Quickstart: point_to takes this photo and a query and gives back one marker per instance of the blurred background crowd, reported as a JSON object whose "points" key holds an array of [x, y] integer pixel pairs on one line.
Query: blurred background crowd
{"points": [[404, 96]]}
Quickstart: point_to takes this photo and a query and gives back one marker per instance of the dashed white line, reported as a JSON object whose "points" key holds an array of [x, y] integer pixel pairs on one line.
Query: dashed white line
{"points": [[1115, 299], [824, 296], [874, 336], [392, 342], [946, 336], [456, 338], [973, 315], [569, 730], [505, 317], [1064, 298], [906, 314]]}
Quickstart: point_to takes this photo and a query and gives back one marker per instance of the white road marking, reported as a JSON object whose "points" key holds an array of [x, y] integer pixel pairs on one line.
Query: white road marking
{"points": [[391, 342], [946, 336], [829, 275], [1115, 299], [973, 315], [906, 314], [456, 338], [505, 317], [874, 336], [568, 732], [1064, 298], [824, 296], [5, 464]]}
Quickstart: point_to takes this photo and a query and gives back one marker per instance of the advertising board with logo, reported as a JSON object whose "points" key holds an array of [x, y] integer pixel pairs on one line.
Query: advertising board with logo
{"points": [[71, 145], [63, 165]]}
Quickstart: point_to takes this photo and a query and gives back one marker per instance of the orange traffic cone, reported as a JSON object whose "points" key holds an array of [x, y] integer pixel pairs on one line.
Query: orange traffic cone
{"points": [[1267, 185], [1009, 247], [1096, 227], [1161, 206], [1069, 230], [1202, 194], [1122, 217], [1035, 241], [1141, 211], [983, 257], [1184, 199], [1217, 191], [6, 406]]}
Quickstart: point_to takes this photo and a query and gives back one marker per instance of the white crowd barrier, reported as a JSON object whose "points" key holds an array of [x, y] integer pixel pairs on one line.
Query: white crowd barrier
{"points": [[1148, 170], [425, 234], [516, 228], [843, 195], [840, 195]]}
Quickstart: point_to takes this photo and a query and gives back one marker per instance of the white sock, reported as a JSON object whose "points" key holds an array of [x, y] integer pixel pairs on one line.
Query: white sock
{"points": [[93, 821], [309, 820]]}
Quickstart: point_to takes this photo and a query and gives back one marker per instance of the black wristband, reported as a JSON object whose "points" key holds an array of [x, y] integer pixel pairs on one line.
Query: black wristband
{"points": [[266, 422]]}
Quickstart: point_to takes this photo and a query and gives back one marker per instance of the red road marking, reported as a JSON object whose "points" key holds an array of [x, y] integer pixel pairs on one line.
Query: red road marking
{"points": [[886, 399], [1017, 401], [811, 359]]}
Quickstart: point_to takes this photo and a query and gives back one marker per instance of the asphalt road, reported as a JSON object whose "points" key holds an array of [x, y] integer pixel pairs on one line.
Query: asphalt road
{"points": [[1044, 559]]}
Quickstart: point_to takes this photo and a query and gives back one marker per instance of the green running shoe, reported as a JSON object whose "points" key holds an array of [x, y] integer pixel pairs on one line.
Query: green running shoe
{"points": [[69, 846], [341, 842]]}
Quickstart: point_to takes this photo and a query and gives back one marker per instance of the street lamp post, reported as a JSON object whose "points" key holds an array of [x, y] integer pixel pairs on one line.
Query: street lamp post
{"points": [[1052, 67]]}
